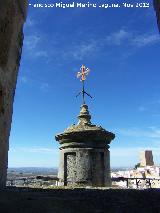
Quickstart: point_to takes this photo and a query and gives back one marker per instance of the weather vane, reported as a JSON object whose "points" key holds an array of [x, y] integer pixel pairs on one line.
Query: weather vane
{"points": [[84, 71]]}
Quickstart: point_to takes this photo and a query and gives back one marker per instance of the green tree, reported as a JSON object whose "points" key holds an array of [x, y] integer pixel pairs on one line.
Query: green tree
{"points": [[137, 165]]}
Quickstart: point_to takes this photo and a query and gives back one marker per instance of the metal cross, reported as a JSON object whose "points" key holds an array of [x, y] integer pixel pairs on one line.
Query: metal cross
{"points": [[84, 71]]}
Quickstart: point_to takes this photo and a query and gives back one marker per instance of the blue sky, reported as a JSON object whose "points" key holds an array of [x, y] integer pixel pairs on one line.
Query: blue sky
{"points": [[121, 47]]}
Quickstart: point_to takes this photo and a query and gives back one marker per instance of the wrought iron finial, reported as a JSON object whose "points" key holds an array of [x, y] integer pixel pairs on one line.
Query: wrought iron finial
{"points": [[84, 71]]}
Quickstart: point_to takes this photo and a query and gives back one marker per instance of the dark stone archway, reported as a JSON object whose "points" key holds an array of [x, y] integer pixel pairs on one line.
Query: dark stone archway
{"points": [[157, 9], [12, 17]]}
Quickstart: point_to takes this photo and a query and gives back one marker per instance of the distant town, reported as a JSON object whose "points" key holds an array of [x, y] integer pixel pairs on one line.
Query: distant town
{"points": [[144, 175]]}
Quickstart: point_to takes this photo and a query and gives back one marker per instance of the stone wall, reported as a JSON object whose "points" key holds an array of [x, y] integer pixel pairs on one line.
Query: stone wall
{"points": [[146, 158], [22, 200], [157, 9], [12, 17], [84, 166]]}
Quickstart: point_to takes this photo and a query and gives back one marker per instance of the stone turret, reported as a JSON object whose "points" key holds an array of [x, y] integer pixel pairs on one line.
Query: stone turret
{"points": [[84, 153]]}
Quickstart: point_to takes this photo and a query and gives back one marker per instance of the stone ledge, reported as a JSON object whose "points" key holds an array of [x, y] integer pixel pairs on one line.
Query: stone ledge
{"points": [[84, 200]]}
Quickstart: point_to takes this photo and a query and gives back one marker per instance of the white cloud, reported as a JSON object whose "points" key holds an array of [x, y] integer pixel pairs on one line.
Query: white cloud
{"points": [[153, 107], [150, 132], [117, 38], [44, 86], [156, 114], [33, 46], [82, 50], [89, 47], [23, 79], [130, 38], [31, 42], [133, 151], [41, 54], [124, 152], [41, 150], [122, 156], [144, 40], [142, 109], [29, 22], [33, 157]]}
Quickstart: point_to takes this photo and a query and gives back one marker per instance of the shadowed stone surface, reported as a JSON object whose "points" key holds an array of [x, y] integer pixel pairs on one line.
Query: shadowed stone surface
{"points": [[12, 17], [79, 200], [84, 154], [157, 9]]}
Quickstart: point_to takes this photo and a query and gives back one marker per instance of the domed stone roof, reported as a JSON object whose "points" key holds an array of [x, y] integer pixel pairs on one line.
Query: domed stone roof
{"points": [[84, 130]]}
